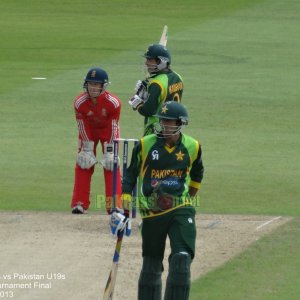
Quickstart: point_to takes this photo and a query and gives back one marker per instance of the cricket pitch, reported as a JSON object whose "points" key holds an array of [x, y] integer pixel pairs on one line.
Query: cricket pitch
{"points": [[62, 256]]}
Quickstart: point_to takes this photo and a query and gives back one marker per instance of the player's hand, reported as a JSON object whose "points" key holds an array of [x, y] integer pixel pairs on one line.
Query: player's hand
{"points": [[139, 85], [108, 157], [86, 157], [120, 222], [135, 102], [141, 89]]}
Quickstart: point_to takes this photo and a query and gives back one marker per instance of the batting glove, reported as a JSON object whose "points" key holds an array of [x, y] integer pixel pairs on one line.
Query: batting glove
{"points": [[141, 89], [135, 102], [120, 221]]}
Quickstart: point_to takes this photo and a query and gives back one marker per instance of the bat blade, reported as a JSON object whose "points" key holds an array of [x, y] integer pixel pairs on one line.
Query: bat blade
{"points": [[111, 281], [164, 36]]}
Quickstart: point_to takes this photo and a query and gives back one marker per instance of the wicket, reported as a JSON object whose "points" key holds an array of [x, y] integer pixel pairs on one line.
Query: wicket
{"points": [[117, 143]]}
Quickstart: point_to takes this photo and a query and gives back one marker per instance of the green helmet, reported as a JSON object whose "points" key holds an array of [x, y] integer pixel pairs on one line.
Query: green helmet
{"points": [[160, 53], [173, 110]]}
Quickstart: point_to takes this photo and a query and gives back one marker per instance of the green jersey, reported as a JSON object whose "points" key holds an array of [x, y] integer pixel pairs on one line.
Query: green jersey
{"points": [[164, 170], [163, 86]]}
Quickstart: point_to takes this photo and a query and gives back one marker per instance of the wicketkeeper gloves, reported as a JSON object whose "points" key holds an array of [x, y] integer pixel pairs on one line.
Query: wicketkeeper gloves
{"points": [[108, 157], [86, 157]]}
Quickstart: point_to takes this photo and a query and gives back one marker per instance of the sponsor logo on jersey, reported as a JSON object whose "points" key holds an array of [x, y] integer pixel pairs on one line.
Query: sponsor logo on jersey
{"points": [[154, 183], [155, 155], [170, 182], [167, 182]]}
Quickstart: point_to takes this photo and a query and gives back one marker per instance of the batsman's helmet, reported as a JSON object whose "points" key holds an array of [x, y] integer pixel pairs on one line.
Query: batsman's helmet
{"points": [[96, 75], [160, 53], [173, 110]]}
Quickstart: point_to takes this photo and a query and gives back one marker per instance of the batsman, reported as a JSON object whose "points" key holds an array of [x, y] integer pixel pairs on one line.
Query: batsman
{"points": [[162, 84], [169, 164]]}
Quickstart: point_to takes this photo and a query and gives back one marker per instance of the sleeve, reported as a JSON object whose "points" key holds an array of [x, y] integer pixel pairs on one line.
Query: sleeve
{"points": [[149, 108], [197, 170], [81, 113], [113, 125], [132, 172]]}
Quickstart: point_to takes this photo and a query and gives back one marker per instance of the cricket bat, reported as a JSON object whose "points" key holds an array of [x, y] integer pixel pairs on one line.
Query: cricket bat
{"points": [[164, 36], [111, 281]]}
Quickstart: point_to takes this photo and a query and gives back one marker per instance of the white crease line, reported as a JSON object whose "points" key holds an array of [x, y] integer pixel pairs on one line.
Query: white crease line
{"points": [[268, 222], [213, 224]]}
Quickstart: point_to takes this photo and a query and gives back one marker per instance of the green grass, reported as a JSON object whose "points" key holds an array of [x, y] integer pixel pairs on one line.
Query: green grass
{"points": [[267, 270], [240, 63]]}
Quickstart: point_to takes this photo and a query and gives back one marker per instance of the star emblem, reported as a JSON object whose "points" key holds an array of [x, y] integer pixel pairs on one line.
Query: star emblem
{"points": [[179, 155], [164, 109]]}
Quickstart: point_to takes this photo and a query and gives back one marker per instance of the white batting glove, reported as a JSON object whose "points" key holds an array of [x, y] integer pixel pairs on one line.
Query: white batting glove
{"points": [[119, 221], [141, 89], [86, 157], [108, 157], [138, 85], [135, 102]]}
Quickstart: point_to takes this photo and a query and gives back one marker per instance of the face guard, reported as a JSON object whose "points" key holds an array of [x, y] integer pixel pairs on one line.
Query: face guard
{"points": [[161, 56], [161, 63], [170, 110], [163, 130]]}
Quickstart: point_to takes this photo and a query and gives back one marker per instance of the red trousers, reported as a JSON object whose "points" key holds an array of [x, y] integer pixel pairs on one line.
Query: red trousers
{"points": [[82, 187]]}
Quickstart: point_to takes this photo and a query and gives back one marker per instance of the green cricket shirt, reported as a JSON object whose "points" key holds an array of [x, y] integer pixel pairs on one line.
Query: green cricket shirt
{"points": [[174, 170], [163, 86]]}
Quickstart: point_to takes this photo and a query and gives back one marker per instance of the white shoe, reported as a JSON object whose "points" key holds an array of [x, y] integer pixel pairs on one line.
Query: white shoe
{"points": [[78, 210]]}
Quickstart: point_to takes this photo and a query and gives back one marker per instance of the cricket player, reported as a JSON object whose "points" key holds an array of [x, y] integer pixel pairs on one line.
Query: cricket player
{"points": [[162, 85], [170, 167], [97, 114]]}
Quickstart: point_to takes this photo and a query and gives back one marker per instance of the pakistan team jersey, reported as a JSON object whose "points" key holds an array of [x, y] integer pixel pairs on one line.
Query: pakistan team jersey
{"points": [[162, 86], [164, 170]]}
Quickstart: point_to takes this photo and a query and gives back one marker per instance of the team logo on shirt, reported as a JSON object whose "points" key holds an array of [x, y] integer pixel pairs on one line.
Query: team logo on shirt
{"points": [[104, 112], [179, 155]]}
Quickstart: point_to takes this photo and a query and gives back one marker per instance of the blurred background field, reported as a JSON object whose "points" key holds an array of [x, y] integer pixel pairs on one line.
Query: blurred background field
{"points": [[240, 63]]}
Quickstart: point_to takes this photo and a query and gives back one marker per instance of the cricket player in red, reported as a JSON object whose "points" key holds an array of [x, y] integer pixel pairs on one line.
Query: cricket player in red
{"points": [[97, 114]]}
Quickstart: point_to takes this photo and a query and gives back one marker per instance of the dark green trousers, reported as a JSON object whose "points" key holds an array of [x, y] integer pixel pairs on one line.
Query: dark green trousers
{"points": [[179, 225]]}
